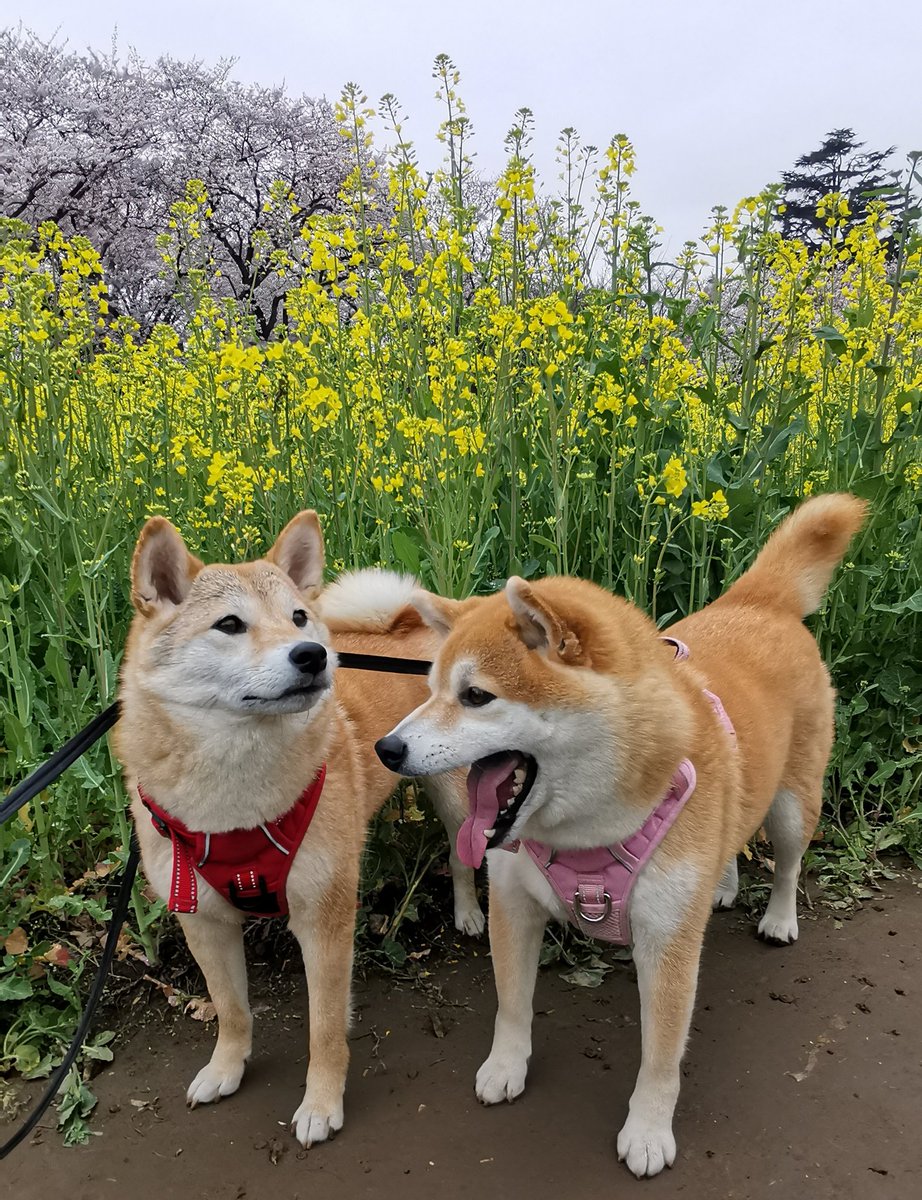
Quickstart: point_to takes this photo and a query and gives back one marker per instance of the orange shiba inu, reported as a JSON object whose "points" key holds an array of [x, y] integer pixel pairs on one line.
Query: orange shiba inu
{"points": [[601, 760], [230, 706]]}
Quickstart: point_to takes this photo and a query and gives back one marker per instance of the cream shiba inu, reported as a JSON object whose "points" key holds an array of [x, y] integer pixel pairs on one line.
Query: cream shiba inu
{"points": [[606, 769], [230, 707]]}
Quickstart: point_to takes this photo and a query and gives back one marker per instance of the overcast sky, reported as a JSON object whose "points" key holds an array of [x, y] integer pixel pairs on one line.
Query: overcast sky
{"points": [[718, 96]]}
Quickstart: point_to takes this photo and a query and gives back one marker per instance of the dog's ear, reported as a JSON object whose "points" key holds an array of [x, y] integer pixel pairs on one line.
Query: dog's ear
{"points": [[437, 612], [162, 569], [298, 550], [539, 626]]}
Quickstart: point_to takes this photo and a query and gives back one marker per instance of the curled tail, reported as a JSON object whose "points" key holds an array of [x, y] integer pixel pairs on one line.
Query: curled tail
{"points": [[369, 601], [793, 569]]}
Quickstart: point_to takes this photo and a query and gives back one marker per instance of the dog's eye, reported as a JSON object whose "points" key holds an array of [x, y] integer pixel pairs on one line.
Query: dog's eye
{"points": [[230, 624], [299, 616], [474, 697]]}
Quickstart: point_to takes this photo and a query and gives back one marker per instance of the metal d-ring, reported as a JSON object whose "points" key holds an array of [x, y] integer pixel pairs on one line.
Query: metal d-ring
{"points": [[585, 917]]}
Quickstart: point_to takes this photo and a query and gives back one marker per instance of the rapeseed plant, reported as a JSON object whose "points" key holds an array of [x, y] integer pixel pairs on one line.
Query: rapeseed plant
{"points": [[465, 396]]}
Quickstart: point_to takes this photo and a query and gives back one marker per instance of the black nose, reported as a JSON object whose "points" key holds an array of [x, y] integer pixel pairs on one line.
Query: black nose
{"points": [[392, 750], [309, 657]]}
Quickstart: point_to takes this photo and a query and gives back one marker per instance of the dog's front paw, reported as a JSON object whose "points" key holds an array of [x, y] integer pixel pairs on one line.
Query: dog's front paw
{"points": [[645, 1146], [470, 919], [213, 1082], [502, 1077], [314, 1122], [782, 930]]}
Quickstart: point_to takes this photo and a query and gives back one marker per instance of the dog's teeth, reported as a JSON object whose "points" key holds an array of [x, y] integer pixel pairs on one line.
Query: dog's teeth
{"points": [[488, 833], [516, 788], [518, 776]]}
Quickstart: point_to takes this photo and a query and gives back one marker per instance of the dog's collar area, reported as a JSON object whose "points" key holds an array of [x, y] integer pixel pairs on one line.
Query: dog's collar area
{"points": [[248, 867], [595, 885]]}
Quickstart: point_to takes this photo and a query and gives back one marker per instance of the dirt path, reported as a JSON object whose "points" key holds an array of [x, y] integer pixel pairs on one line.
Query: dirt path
{"points": [[802, 1080]]}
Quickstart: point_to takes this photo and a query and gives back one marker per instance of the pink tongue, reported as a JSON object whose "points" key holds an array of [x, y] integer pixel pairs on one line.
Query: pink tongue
{"points": [[482, 786]]}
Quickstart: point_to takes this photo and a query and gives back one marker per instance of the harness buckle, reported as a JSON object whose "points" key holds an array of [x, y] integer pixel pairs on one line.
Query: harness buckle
{"points": [[584, 916]]}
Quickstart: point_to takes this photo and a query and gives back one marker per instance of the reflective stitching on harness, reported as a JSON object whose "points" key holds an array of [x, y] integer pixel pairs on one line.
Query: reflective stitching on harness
{"points": [[272, 839], [226, 860]]}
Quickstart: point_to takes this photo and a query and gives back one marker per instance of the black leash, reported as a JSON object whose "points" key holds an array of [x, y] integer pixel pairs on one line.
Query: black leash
{"points": [[382, 662], [49, 771], [117, 920], [46, 774]]}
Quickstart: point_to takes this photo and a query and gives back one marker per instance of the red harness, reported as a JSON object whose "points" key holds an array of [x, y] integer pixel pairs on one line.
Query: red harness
{"points": [[249, 867]]}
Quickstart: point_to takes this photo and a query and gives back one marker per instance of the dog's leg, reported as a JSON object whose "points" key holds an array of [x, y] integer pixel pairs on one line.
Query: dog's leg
{"points": [[725, 894], [448, 796], [667, 949], [516, 928], [785, 825], [325, 931], [217, 947]]}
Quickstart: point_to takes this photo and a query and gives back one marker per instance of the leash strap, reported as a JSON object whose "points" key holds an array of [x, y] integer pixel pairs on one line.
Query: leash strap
{"points": [[62, 758], [117, 920], [383, 662]]}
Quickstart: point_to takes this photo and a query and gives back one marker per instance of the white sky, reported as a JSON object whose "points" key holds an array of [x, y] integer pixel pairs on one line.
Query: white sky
{"points": [[718, 96]]}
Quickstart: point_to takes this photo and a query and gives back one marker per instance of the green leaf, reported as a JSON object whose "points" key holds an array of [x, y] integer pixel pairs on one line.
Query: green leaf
{"points": [[405, 551], [13, 987], [832, 337], [20, 852], [912, 603]]}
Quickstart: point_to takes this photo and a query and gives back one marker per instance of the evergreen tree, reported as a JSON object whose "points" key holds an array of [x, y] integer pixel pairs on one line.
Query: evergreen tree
{"points": [[841, 164]]}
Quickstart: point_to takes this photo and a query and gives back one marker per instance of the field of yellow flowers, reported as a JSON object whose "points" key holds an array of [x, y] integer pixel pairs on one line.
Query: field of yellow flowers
{"points": [[463, 395]]}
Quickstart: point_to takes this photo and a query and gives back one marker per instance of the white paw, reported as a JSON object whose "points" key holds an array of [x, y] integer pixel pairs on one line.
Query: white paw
{"points": [[314, 1123], [645, 1146], [501, 1078], [724, 897], [213, 1082], [470, 920], [778, 929]]}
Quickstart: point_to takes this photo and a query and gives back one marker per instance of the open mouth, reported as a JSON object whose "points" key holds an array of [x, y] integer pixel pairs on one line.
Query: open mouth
{"points": [[497, 787]]}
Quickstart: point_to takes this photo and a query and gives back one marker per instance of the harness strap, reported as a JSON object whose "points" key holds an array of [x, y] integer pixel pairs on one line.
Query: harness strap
{"points": [[595, 885], [259, 891]]}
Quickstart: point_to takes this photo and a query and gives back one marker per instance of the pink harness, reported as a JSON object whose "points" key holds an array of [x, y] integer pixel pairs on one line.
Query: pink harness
{"points": [[595, 885]]}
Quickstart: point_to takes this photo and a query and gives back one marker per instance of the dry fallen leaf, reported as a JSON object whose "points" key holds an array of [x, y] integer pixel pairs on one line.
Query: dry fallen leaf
{"points": [[171, 998], [58, 955], [201, 1010], [16, 942]]}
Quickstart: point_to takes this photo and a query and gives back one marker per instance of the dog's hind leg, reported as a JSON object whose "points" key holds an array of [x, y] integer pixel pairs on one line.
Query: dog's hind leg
{"points": [[325, 929], [789, 823], [449, 799], [725, 893], [516, 930], [217, 947]]}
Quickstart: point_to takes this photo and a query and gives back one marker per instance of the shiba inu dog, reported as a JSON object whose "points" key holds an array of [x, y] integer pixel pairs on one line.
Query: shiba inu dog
{"points": [[230, 707], [600, 755]]}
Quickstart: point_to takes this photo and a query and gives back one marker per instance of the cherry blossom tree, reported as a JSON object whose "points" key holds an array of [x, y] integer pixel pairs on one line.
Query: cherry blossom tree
{"points": [[104, 144]]}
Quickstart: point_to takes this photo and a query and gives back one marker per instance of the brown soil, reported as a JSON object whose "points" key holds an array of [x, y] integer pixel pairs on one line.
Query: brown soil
{"points": [[802, 1080]]}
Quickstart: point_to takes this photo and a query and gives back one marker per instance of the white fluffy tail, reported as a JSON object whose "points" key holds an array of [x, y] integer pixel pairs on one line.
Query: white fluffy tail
{"points": [[368, 601]]}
